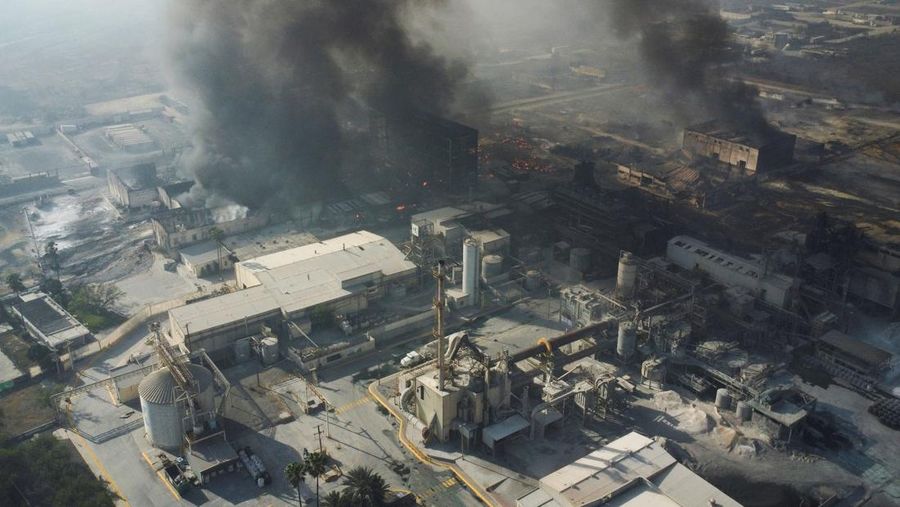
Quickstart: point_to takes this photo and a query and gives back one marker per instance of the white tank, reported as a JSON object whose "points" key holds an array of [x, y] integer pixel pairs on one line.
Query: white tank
{"points": [[491, 267], [627, 340], [268, 349], [163, 417], [744, 411], [532, 279], [723, 399], [470, 270], [626, 276], [580, 259]]}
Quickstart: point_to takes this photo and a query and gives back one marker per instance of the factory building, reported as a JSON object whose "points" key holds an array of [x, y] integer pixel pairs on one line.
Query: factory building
{"points": [[689, 253], [750, 151], [133, 187], [21, 138], [49, 323], [631, 470], [849, 357], [128, 137], [468, 396], [426, 150], [183, 226], [340, 275], [168, 194], [440, 233]]}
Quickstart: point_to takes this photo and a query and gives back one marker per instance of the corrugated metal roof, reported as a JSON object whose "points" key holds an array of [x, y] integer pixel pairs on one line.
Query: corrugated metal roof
{"points": [[853, 347], [159, 386]]}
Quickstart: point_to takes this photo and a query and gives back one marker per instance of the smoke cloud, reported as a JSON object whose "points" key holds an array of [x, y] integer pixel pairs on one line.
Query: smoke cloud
{"points": [[686, 48], [277, 79]]}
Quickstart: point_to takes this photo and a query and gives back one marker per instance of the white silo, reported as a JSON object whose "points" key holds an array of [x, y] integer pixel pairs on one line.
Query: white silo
{"points": [[626, 276], [470, 270], [626, 340], [164, 417], [491, 267]]}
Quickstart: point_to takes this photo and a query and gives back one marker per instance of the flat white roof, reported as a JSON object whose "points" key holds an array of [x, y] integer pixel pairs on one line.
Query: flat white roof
{"points": [[222, 310], [299, 278]]}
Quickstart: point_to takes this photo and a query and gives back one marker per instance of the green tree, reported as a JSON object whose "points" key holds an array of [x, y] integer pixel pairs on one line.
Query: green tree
{"points": [[14, 282], [295, 474], [55, 289], [336, 499], [365, 487], [314, 465]]}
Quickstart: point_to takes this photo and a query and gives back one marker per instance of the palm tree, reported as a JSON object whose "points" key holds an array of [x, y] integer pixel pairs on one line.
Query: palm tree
{"points": [[295, 474], [365, 487], [336, 499], [314, 465], [14, 281], [51, 253]]}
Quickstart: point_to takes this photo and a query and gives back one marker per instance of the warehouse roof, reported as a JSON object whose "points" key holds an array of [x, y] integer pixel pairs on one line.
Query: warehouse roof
{"points": [[222, 310], [636, 467], [855, 348], [293, 280], [49, 318]]}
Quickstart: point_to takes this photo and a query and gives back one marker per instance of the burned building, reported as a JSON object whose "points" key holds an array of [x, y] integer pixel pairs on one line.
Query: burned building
{"points": [[426, 150], [135, 186], [183, 226], [749, 150]]}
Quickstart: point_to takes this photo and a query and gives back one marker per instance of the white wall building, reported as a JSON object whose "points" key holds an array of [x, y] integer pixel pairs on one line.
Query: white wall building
{"points": [[690, 253]]}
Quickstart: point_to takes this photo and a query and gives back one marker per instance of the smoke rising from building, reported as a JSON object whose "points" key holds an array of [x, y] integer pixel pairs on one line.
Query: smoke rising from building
{"points": [[276, 78], [685, 46]]}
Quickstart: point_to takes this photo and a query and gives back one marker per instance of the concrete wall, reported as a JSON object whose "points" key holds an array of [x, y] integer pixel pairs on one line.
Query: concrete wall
{"points": [[726, 151]]}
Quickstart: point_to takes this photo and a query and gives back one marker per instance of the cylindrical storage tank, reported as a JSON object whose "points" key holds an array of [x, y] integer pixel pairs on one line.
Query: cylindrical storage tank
{"points": [[491, 267], [723, 399], [532, 279], [580, 259], [163, 417], [626, 276], [470, 270], [744, 411], [268, 349], [627, 340]]}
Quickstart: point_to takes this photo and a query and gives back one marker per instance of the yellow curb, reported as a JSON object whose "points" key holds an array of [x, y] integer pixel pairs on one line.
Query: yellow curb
{"points": [[419, 454]]}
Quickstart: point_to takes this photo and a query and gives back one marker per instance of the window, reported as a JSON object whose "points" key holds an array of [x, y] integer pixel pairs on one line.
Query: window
{"points": [[421, 392]]}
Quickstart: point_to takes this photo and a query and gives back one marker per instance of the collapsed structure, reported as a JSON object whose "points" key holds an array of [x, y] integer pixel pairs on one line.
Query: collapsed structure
{"points": [[751, 151]]}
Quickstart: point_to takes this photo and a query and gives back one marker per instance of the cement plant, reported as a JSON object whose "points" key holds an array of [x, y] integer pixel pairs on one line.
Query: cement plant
{"points": [[514, 253]]}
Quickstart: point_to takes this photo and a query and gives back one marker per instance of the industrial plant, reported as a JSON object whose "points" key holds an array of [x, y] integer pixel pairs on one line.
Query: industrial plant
{"points": [[494, 252]]}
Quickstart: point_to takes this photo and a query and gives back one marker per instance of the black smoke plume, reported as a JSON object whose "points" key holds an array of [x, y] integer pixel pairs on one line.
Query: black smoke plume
{"points": [[685, 44], [275, 79]]}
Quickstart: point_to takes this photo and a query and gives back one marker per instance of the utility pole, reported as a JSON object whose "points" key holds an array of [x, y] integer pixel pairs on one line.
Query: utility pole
{"points": [[319, 434]]}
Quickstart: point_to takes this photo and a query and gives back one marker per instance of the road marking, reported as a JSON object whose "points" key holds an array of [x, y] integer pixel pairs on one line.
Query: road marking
{"points": [[112, 484], [445, 484], [353, 404], [162, 477]]}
